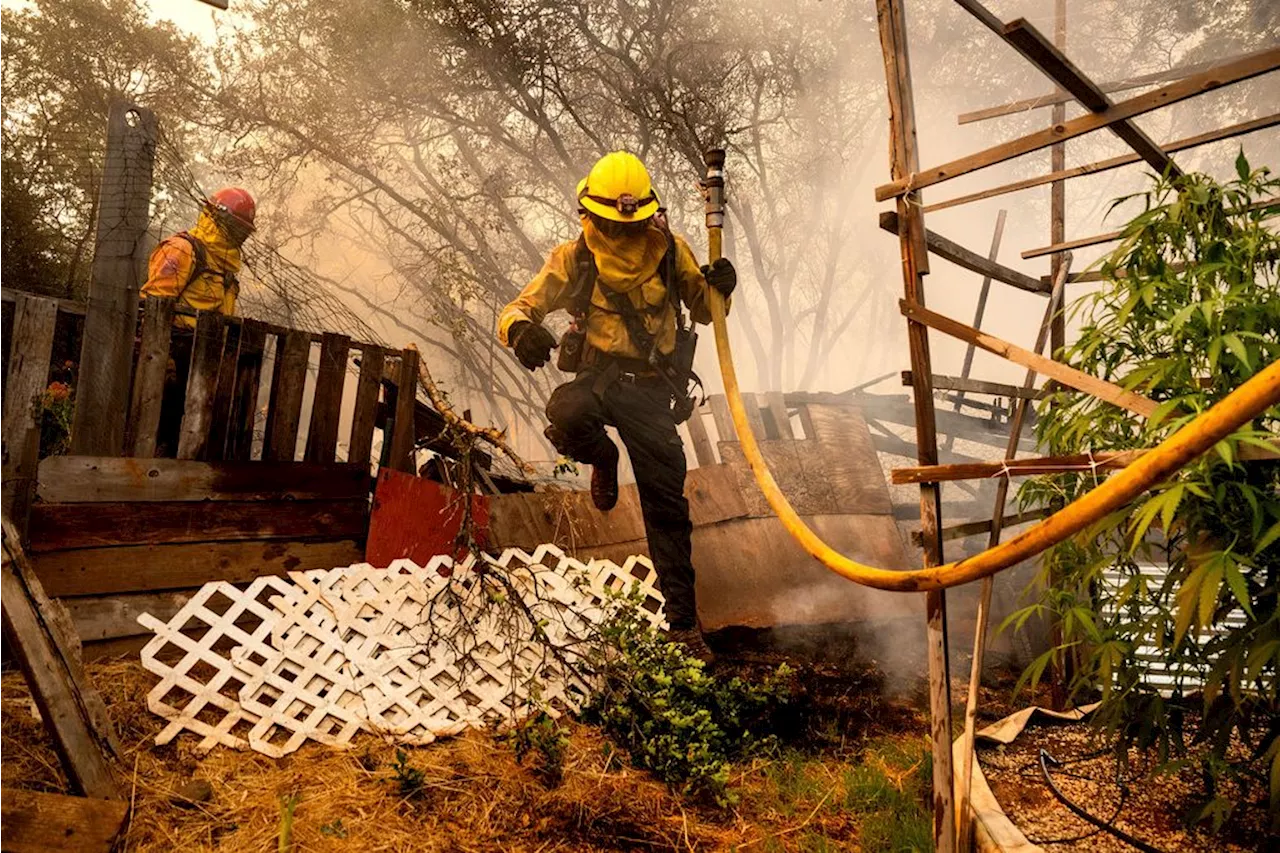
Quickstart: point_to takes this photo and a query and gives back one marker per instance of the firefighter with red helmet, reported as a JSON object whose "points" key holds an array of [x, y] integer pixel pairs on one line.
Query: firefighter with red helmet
{"points": [[198, 269]]}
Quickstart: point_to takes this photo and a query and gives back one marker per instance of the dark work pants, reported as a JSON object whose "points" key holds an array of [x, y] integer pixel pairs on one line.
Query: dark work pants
{"points": [[642, 414]]}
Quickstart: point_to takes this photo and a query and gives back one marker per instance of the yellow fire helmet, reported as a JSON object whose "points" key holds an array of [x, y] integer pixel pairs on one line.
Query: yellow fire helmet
{"points": [[618, 188]]}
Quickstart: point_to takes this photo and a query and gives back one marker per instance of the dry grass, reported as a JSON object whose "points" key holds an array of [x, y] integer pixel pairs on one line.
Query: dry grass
{"points": [[474, 796]]}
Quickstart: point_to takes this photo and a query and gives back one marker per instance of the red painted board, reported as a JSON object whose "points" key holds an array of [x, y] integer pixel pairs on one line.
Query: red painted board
{"points": [[418, 519]]}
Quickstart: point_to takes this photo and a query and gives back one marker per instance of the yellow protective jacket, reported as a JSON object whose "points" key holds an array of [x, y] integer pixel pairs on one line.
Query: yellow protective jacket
{"points": [[173, 263], [626, 265]]}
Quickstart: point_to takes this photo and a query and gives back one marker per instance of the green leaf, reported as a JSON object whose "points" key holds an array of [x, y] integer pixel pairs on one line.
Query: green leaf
{"points": [[1239, 586], [1242, 165], [1238, 349], [1272, 534]]}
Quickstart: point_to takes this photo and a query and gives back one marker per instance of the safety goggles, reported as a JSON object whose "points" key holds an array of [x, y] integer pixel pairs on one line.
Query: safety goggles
{"points": [[626, 204]]}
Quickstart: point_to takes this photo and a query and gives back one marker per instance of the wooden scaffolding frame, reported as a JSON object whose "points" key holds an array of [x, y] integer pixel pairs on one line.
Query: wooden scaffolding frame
{"points": [[952, 824]]}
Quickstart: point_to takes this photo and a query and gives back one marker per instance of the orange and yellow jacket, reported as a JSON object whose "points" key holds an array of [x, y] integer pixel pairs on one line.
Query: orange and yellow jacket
{"points": [[627, 265], [172, 271]]}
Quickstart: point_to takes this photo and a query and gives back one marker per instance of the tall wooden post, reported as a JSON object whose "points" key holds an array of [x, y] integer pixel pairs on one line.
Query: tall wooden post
{"points": [[1058, 189], [106, 357], [1058, 326], [904, 160]]}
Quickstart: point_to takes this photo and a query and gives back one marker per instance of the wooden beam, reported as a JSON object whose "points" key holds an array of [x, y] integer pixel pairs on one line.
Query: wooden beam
{"points": [[1068, 245], [39, 634], [1061, 96], [1068, 376], [36, 822], [913, 244], [975, 528], [978, 386], [1110, 163], [981, 309], [148, 380], [108, 479], [1101, 461], [1042, 53], [106, 356], [326, 407], [65, 306], [1221, 75], [959, 255], [702, 449]]}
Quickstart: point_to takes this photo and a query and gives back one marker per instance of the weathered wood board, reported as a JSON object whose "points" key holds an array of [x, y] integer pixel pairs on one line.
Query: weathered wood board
{"points": [[98, 479], [35, 822]]}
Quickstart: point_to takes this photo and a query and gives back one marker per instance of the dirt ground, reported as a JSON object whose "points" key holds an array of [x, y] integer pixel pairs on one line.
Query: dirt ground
{"points": [[1149, 809], [473, 796]]}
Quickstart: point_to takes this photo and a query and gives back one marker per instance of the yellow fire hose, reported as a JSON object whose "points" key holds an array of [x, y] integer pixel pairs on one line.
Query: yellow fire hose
{"points": [[1248, 401]]}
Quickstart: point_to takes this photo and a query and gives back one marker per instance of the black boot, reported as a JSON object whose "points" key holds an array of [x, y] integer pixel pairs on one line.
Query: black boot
{"points": [[604, 480], [694, 645]]}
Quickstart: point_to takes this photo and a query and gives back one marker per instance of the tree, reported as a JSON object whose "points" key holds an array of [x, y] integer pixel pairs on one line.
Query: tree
{"points": [[448, 137], [63, 63]]}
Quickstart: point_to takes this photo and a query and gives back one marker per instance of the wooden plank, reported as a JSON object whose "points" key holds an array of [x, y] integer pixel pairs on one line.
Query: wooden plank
{"points": [[368, 387], [38, 634], [959, 255], [104, 479], [1110, 163], [983, 292], [65, 306], [752, 405], [781, 417], [1053, 63], [202, 385], [28, 374], [978, 386], [703, 451], [723, 420], [223, 397], [1060, 246], [1100, 461], [974, 528], [106, 356], [98, 618], [913, 241], [58, 527], [1068, 376], [403, 435], [148, 381], [1061, 96], [840, 451], [287, 388], [36, 822], [326, 407], [244, 396], [1221, 75], [140, 568]]}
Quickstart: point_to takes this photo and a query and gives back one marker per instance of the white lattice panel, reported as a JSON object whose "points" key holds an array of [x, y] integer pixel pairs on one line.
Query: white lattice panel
{"points": [[410, 652]]}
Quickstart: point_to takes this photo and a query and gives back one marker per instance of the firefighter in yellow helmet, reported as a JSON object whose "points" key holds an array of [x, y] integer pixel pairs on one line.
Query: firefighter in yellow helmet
{"points": [[199, 269], [626, 281]]}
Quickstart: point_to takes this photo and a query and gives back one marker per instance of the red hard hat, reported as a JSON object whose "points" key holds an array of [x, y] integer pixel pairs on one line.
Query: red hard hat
{"points": [[235, 201]]}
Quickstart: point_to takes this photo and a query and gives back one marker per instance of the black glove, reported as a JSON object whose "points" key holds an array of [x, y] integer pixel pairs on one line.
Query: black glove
{"points": [[722, 276], [532, 343]]}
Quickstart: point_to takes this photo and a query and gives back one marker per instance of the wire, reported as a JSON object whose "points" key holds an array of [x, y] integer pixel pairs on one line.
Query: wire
{"points": [[1045, 760]]}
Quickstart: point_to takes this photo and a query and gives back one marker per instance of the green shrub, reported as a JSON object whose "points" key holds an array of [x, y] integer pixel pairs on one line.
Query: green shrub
{"points": [[1189, 310], [672, 716]]}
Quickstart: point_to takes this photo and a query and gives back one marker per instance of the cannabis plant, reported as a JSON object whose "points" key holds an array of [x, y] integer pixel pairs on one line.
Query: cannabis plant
{"points": [[1188, 310]]}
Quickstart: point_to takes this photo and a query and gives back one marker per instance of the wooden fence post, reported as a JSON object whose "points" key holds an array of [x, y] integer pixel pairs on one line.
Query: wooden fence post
{"points": [[202, 385], [148, 384], [403, 432], [368, 388], [904, 161], [33, 324], [106, 357], [326, 405]]}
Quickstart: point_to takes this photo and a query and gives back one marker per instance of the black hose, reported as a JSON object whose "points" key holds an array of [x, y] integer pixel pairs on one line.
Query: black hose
{"points": [[1045, 760]]}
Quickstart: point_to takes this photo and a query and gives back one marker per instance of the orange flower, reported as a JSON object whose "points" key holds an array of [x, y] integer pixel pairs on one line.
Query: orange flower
{"points": [[58, 391]]}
